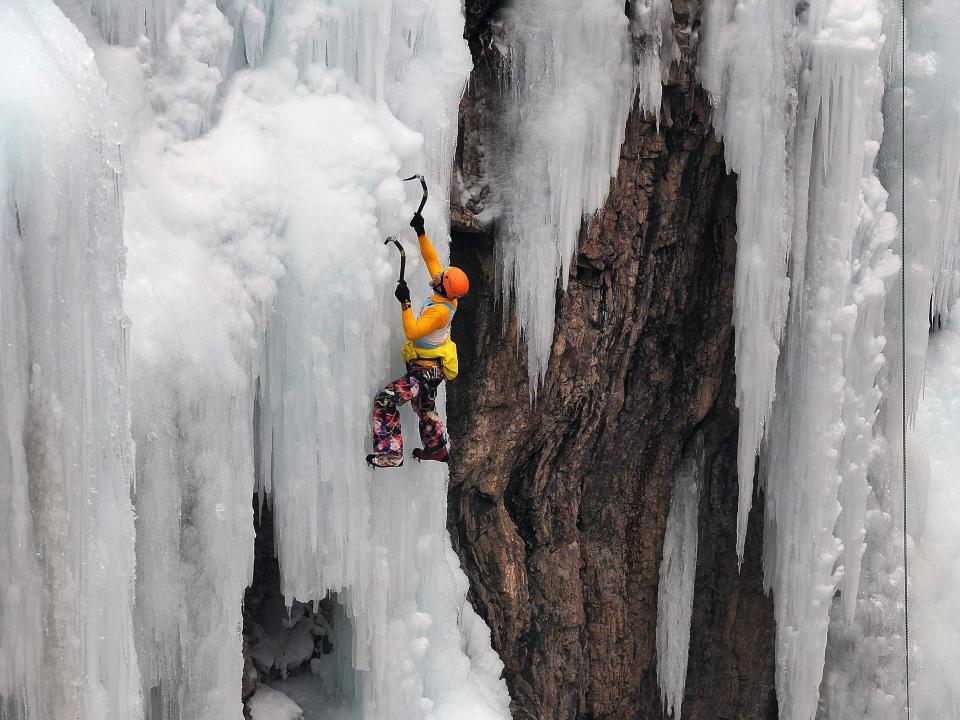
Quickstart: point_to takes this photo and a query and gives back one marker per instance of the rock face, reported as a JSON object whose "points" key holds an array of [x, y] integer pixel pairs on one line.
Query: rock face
{"points": [[558, 510]]}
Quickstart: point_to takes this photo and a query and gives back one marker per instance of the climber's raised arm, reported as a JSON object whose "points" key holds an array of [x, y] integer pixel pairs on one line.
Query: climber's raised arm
{"points": [[427, 250]]}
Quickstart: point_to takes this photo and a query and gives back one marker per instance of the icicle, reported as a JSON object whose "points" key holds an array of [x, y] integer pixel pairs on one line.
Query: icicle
{"points": [[678, 570], [656, 49], [570, 86], [820, 203], [749, 65]]}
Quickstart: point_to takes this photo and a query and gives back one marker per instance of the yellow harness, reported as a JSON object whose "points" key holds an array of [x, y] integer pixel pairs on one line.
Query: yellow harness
{"points": [[429, 349]]}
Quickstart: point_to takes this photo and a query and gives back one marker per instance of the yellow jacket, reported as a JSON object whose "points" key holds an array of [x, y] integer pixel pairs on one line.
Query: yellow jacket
{"points": [[435, 315]]}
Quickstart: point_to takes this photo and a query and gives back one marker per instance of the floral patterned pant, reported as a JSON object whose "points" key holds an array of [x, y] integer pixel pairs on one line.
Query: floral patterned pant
{"points": [[419, 386]]}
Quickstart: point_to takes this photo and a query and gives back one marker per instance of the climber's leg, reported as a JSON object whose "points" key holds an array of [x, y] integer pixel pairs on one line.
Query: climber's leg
{"points": [[432, 431], [387, 433]]}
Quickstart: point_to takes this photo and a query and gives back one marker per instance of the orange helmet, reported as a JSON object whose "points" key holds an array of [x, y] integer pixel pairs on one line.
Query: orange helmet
{"points": [[454, 282]]}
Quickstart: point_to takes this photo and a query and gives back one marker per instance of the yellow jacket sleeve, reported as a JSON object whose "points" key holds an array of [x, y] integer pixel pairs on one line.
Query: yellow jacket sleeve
{"points": [[433, 318], [430, 256]]}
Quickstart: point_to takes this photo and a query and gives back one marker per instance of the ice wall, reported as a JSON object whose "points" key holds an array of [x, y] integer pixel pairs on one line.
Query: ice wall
{"points": [[66, 521], [678, 570], [864, 676], [935, 569], [266, 143], [569, 84], [820, 435], [930, 176], [932, 172]]}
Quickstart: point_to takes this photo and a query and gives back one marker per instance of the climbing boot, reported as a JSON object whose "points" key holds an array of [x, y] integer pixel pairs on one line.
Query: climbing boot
{"points": [[438, 455], [385, 460]]}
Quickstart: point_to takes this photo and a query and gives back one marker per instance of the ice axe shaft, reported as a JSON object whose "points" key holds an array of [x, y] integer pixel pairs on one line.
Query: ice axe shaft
{"points": [[423, 202], [403, 255], [423, 184]]}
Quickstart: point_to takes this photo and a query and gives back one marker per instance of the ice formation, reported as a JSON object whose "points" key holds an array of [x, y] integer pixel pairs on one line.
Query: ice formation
{"points": [[820, 434], [655, 50], [678, 570], [570, 84], [811, 218], [66, 521], [935, 568], [932, 171], [798, 100], [864, 676], [748, 64]]}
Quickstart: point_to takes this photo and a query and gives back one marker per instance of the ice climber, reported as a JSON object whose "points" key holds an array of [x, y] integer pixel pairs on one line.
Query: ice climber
{"points": [[431, 357]]}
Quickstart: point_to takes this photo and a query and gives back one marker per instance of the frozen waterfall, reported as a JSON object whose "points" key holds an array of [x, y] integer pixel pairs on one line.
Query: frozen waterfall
{"points": [[196, 307], [262, 146]]}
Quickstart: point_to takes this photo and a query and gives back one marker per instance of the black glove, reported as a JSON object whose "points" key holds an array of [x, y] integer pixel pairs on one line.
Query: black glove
{"points": [[402, 293], [417, 224]]}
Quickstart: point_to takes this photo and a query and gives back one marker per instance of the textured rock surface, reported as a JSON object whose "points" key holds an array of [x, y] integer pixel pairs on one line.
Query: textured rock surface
{"points": [[558, 511]]}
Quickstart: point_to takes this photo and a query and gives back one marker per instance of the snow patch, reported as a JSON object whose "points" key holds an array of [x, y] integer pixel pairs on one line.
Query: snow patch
{"points": [[270, 704]]}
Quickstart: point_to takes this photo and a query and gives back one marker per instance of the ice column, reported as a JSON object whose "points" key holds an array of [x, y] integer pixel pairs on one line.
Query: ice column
{"points": [[569, 86], [678, 570], [864, 676], [820, 434], [927, 151], [201, 231], [66, 521], [749, 64]]}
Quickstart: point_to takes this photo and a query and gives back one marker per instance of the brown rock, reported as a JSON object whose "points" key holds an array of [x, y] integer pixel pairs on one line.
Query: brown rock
{"points": [[558, 510]]}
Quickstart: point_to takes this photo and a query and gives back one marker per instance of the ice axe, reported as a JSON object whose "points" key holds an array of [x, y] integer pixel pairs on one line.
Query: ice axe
{"points": [[423, 202], [403, 254], [423, 184]]}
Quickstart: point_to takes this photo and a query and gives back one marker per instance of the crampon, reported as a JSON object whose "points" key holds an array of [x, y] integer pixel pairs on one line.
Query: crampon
{"points": [[438, 455], [385, 460]]}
